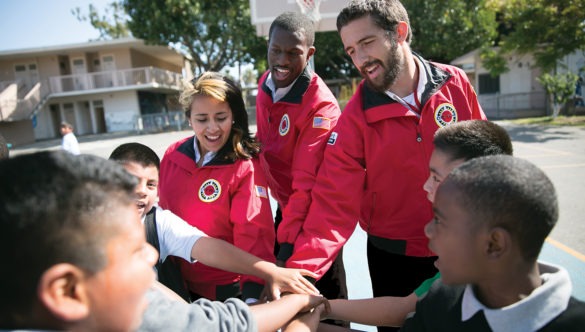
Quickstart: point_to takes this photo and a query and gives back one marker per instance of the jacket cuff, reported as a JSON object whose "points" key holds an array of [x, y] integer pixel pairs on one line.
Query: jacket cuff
{"points": [[251, 289], [286, 250]]}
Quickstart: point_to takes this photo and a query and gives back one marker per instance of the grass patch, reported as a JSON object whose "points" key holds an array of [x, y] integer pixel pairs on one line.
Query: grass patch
{"points": [[561, 120]]}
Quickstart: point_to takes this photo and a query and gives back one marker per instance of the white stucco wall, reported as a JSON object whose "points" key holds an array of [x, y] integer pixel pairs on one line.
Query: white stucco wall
{"points": [[121, 111]]}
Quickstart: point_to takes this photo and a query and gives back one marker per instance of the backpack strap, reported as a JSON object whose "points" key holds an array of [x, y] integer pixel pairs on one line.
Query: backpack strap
{"points": [[150, 228], [168, 272]]}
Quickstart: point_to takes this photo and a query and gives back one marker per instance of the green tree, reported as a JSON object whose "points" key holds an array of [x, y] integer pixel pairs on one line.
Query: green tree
{"points": [[560, 88], [112, 24], [548, 29], [331, 61], [215, 33], [445, 29]]}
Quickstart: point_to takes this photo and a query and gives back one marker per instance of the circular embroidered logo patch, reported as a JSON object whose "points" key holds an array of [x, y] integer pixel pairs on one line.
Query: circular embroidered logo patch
{"points": [[284, 125], [445, 115], [209, 191]]}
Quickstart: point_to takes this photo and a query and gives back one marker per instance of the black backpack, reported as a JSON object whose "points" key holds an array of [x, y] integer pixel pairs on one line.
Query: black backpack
{"points": [[168, 271]]}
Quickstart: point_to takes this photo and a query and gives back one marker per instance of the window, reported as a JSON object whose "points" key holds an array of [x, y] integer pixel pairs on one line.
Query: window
{"points": [[489, 84]]}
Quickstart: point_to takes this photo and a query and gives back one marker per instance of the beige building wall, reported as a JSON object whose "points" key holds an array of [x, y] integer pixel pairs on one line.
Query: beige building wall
{"points": [[18, 132], [140, 59]]}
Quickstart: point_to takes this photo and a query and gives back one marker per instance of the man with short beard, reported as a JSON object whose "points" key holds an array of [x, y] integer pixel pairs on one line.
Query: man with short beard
{"points": [[376, 159]]}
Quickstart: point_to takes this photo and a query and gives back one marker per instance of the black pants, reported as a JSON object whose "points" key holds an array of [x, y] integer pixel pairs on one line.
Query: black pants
{"points": [[397, 275]]}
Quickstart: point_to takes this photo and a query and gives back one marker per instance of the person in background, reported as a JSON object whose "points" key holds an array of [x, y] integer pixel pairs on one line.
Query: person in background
{"points": [[295, 113], [68, 141], [377, 157], [213, 181]]}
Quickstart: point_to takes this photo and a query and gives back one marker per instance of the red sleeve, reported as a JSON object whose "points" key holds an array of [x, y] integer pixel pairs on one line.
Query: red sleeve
{"points": [[251, 215], [308, 155], [336, 199]]}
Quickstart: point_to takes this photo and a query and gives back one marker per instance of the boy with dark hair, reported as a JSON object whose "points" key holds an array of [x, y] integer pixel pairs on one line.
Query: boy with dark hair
{"points": [[69, 141], [69, 228], [460, 142], [492, 215], [175, 237]]}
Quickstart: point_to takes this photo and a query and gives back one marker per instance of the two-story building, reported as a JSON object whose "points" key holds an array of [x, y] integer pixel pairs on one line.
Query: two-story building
{"points": [[98, 86]]}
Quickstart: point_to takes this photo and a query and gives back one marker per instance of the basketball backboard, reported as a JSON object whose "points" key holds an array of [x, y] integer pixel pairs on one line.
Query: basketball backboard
{"points": [[263, 12]]}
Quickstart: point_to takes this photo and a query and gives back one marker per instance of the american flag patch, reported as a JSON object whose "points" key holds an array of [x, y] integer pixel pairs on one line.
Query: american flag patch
{"points": [[322, 123], [261, 191]]}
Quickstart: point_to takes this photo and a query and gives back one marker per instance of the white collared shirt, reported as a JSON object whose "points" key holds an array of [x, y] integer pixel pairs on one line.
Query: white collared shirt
{"points": [[206, 158], [531, 313], [409, 100], [278, 93]]}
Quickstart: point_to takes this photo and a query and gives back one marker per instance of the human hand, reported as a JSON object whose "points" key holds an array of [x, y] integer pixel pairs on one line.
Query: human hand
{"points": [[285, 280], [307, 321]]}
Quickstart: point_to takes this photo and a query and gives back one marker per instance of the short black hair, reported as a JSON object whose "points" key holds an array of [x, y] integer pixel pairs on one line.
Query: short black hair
{"points": [[137, 153], [507, 192], [294, 22], [385, 13], [473, 138], [54, 208]]}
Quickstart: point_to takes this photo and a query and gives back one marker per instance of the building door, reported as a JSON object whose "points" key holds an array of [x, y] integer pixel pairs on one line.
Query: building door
{"points": [[99, 116], [69, 115], [109, 66], [55, 111], [79, 71]]}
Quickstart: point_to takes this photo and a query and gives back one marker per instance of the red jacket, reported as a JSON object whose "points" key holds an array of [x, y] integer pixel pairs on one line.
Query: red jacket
{"points": [[293, 132], [375, 165], [225, 199]]}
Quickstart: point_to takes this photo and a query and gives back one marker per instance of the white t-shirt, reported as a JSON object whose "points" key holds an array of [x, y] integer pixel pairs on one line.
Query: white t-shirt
{"points": [[175, 236], [69, 143]]}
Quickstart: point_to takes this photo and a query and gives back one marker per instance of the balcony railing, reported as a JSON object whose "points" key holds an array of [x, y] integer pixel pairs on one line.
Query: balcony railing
{"points": [[115, 79], [12, 108]]}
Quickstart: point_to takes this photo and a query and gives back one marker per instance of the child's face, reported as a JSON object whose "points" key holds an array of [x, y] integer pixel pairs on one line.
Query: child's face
{"points": [[211, 121], [147, 188], [65, 130], [440, 165], [116, 294], [455, 240]]}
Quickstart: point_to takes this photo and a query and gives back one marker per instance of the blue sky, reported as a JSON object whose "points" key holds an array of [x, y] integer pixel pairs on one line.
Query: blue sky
{"points": [[37, 23]]}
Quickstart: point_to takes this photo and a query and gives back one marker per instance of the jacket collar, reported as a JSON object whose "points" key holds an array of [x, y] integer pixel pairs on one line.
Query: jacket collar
{"points": [[436, 78], [223, 157]]}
